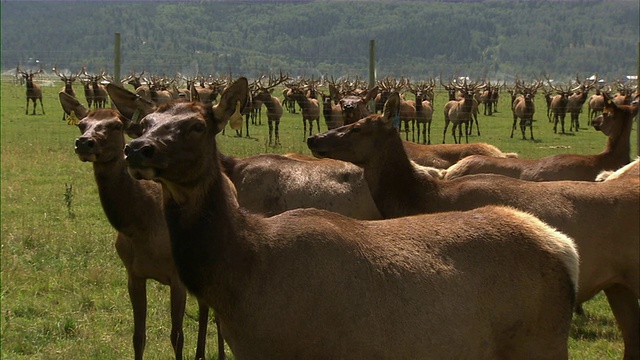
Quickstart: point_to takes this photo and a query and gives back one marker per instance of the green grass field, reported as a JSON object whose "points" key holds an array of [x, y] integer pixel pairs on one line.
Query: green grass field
{"points": [[64, 288]]}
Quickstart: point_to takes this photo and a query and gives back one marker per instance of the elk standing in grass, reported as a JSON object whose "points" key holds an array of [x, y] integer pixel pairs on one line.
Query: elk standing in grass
{"points": [[313, 284], [596, 102], [308, 104], [601, 217], [459, 112], [424, 109], [523, 107], [34, 92], [331, 112], [577, 100], [273, 105], [134, 209], [559, 105], [616, 123]]}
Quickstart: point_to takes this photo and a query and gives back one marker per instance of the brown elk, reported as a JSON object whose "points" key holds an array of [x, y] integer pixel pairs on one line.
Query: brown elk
{"points": [[273, 105], [459, 112], [308, 104], [424, 109], [352, 102], [631, 170], [34, 92], [601, 217], [134, 209], [67, 80], [100, 95], [616, 123], [442, 156], [331, 111], [596, 102], [577, 100], [385, 89], [559, 105], [523, 107], [313, 284]]}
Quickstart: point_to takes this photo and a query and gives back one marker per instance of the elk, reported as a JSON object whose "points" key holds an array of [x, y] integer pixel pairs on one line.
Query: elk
{"points": [[631, 170], [559, 105], [596, 102], [442, 156], [67, 80], [34, 92], [134, 209], [616, 123], [352, 103], [459, 112], [308, 105], [270, 184], [100, 95], [273, 105], [385, 89], [331, 112], [313, 284], [602, 218], [577, 100], [424, 109], [524, 108]]}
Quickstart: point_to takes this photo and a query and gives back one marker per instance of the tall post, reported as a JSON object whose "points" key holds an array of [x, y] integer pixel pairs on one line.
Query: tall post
{"points": [[116, 59], [372, 72]]}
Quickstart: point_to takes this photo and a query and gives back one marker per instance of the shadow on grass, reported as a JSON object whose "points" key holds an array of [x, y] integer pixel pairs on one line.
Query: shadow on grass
{"points": [[592, 327]]}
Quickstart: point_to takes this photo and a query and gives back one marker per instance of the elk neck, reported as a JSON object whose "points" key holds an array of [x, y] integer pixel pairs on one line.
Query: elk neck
{"points": [[391, 176], [209, 241], [121, 195]]}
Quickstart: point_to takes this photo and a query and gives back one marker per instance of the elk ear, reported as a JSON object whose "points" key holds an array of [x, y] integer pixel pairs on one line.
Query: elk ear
{"points": [[391, 108], [232, 102], [72, 105], [131, 106]]}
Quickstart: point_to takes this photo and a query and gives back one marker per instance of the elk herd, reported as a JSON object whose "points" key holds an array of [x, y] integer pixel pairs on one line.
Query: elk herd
{"points": [[381, 245]]}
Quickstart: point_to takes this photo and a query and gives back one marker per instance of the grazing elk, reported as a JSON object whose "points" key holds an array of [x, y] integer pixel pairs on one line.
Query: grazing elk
{"points": [[308, 104], [34, 92], [459, 112], [273, 105], [134, 209], [523, 107], [559, 105], [577, 100], [424, 109], [314, 284], [601, 217], [616, 123]]}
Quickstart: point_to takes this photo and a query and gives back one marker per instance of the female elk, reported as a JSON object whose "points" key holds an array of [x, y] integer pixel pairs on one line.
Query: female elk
{"points": [[134, 209], [34, 92], [313, 284], [601, 217]]}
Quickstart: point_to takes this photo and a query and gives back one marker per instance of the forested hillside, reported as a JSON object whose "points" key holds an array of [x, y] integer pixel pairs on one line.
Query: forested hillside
{"points": [[416, 39]]}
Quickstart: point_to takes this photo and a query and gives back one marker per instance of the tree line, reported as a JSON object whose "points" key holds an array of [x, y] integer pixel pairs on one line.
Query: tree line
{"points": [[416, 39]]}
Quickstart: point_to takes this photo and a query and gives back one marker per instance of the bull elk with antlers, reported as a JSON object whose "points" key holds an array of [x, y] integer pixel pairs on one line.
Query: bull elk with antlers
{"points": [[272, 103], [577, 100], [523, 107], [459, 112], [34, 92], [559, 104], [424, 108], [305, 93]]}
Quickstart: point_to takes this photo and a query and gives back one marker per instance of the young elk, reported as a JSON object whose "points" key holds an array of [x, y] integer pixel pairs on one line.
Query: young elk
{"points": [[601, 217], [524, 108], [273, 105], [134, 209], [313, 284], [616, 123], [34, 92]]}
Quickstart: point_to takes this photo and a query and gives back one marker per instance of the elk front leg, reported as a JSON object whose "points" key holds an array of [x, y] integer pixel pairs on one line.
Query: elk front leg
{"points": [[624, 304], [178, 303], [138, 295], [203, 321]]}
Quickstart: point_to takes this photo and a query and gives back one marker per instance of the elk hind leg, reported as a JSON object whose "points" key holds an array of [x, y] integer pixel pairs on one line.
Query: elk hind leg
{"points": [[513, 127]]}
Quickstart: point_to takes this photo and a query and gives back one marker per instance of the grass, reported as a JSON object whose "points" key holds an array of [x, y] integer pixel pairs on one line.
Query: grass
{"points": [[64, 288]]}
